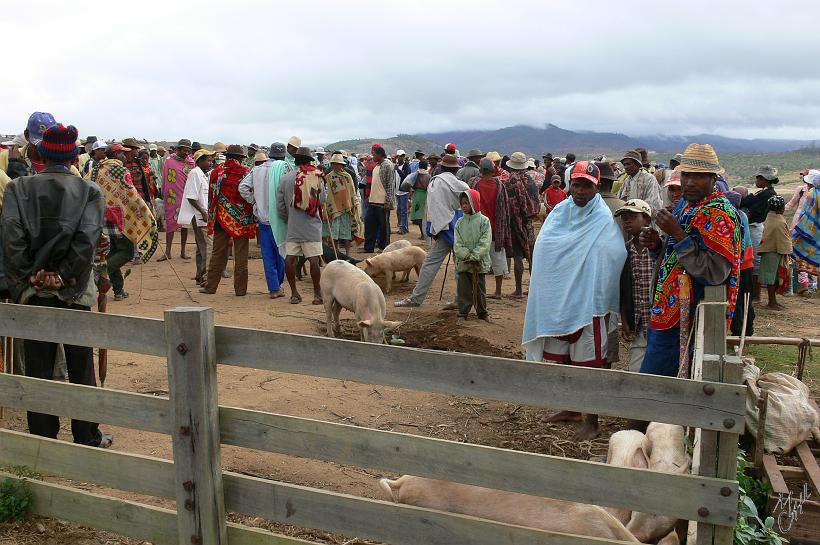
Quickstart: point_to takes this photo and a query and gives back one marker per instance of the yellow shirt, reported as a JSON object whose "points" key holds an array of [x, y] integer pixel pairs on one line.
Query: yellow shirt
{"points": [[377, 194]]}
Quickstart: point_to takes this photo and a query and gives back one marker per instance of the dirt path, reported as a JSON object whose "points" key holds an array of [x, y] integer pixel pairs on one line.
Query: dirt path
{"points": [[158, 286]]}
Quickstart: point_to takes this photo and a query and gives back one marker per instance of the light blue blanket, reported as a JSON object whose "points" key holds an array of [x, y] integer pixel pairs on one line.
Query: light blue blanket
{"points": [[278, 226], [576, 270]]}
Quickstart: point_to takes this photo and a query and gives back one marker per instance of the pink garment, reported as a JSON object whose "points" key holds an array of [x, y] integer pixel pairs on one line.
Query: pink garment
{"points": [[174, 174], [797, 201]]}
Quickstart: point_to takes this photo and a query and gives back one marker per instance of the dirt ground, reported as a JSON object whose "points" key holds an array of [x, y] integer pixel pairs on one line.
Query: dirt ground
{"points": [[155, 287]]}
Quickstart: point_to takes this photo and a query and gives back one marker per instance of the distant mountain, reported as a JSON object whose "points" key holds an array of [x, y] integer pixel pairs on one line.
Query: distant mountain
{"points": [[535, 141]]}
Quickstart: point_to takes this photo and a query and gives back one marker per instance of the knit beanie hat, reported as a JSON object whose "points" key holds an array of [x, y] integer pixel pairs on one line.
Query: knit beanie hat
{"points": [[59, 143]]}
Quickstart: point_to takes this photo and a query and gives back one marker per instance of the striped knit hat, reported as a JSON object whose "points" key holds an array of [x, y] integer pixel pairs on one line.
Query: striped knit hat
{"points": [[59, 143]]}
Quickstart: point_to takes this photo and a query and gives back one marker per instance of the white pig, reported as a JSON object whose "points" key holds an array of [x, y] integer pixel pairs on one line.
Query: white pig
{"points": [[667, 453], [345, 286], [627, 448], [507, 507], [396, 245], [403, 259]]}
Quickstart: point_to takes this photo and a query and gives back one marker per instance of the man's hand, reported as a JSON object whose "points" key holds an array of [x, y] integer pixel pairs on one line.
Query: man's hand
{"points": [[205, 218], [43, 280], [669, 224], [649, 238]]}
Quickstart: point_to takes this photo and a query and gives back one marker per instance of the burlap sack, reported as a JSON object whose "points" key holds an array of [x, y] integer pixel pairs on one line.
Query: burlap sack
{"points": [[790, 415]]}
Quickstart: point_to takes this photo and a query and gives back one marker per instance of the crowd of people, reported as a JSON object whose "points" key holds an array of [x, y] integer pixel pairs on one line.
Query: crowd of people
{"points": [[626, 247]]}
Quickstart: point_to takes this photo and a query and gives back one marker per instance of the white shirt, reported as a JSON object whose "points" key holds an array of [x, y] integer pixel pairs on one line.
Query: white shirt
{"points": [[196, 187], [254, 189]]}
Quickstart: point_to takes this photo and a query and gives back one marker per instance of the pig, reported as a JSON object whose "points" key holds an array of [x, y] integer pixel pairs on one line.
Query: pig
{"points": [[507, 507], [667, 453], [403, 259], [345, 286], [396, 245], [627, 448]]}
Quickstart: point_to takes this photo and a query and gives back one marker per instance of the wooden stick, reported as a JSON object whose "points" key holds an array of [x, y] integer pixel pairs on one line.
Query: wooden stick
{"points": [[441, 293], [746, 302], [785, 341]]}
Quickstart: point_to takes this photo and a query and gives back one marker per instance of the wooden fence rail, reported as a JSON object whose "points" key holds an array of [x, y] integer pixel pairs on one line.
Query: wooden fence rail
{"points": [[193, 346]]}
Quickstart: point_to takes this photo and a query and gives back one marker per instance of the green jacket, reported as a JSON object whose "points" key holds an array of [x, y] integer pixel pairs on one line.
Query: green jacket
{"points": [[473, 236]]}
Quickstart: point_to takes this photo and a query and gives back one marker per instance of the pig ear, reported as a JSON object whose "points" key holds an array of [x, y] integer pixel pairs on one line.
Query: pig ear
{"points": [[391, 324], [640, 459], [365, 323]]}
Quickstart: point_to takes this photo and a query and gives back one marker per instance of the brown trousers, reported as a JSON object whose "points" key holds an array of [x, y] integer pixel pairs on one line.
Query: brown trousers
{"points": [[219, 259]]}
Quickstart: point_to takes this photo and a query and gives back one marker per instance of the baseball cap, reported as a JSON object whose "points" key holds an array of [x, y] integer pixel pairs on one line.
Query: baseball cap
{"points": [[586, 170], [117, 147], [767, 172], [401, 152], [200, 152], [38, 122], [450, 148], [99, 144], [635, 205], [152, 147]]}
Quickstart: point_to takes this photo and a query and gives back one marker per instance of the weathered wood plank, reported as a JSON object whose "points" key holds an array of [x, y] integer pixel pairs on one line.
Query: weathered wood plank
{"points": [[708, 445], [126, 409], [129, 518], [550, 476], [731, 373], [772, 472], [125, 333], [809, 464], [280, 502], [528, 473], [192, 385], [615, 393]]}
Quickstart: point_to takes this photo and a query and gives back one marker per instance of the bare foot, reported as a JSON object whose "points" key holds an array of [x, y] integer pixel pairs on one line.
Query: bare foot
{"points": [[776, 306], [587, 432], [494, 296], [563, 416], [515, 296]]}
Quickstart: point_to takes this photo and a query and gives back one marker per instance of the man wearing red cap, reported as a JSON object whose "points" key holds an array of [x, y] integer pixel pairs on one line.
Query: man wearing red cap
{"points": [[569, 322], [51, 224]]}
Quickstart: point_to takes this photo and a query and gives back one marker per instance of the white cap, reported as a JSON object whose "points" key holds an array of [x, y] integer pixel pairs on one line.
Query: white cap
{"points": [[152, 147], [295, 141], [320, 149], [400, 152], [99, 144]]}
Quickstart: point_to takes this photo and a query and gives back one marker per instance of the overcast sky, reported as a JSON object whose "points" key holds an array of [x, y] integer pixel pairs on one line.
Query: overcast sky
{"points": [[254, 71]]}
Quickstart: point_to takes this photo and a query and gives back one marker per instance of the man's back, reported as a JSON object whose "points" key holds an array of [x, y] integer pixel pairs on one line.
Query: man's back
{"points": [[51, 221]]}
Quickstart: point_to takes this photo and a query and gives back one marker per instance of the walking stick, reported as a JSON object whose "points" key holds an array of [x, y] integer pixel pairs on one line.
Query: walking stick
{"points": [[684, 295], [441, 293], [323, 216]]}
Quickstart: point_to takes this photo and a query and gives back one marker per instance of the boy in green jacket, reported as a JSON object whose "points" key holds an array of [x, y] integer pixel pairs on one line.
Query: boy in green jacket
{"points": [[473, 236]]}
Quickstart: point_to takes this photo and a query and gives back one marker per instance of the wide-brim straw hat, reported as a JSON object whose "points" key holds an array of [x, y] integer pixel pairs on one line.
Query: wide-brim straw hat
{"points": [[700, 158], [337, 158], [517, 161], [219, 147]]}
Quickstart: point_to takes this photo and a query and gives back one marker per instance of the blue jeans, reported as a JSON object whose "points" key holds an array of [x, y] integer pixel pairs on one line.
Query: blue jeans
{"points": [[662, 352], [273, 262], [401, 209]]}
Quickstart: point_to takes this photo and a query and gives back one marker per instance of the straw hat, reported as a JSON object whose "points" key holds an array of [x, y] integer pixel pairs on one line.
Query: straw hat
{"points": [[219, 147], [449, 160], [259, 156], [700, 158], [518, 161], [494, 156], [337, 158]]}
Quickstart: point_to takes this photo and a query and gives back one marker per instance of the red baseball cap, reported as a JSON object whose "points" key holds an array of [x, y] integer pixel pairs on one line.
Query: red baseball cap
{"points": [[586, 170], [117, 147], [450, 148]]}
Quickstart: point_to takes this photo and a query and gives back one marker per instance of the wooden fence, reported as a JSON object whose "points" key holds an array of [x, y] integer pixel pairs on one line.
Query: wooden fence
{"points": [[198, 426]]}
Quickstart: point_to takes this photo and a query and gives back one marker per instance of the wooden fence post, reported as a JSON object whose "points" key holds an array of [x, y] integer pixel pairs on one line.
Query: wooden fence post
{"points": [[717, 450], [192, 385]]}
